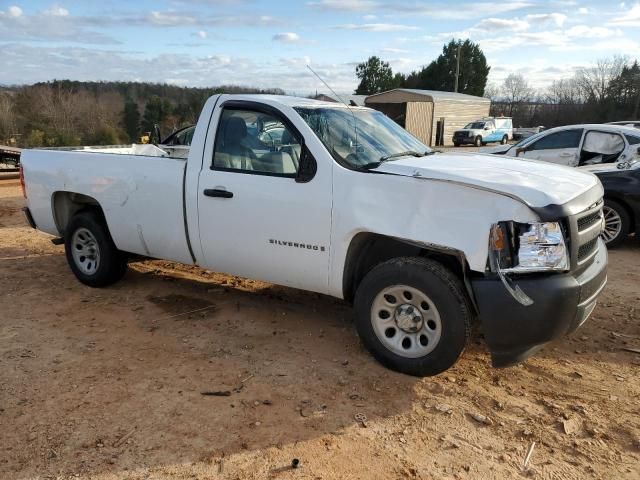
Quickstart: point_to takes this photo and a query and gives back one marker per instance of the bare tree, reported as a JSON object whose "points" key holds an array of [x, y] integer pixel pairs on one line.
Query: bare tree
{"points": [[594, 81], [7, 117], [565, 91], [492, 92], [516, 90]]}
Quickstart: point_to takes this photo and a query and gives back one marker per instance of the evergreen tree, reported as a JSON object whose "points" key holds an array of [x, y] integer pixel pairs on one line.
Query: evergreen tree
{"points": [[131, 119], [375, 76], [440, 74]]}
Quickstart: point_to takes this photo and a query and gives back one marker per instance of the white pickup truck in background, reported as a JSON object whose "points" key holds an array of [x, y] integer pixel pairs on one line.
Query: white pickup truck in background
{"points": [[342, 201]]}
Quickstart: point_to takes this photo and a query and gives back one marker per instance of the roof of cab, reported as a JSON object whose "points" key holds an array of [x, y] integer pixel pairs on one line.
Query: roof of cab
{"points": [[287, 100]]}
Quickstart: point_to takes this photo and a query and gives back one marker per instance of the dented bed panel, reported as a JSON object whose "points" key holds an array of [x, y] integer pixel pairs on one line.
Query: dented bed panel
{"points": [[141, 197]]}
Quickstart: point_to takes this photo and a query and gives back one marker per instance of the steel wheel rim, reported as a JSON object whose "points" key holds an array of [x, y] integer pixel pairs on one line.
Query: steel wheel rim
{"points": [[85, 251], [406, 321], [612, 224]]}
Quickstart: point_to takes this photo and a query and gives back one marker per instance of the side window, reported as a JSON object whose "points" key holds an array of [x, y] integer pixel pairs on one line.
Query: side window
{"points": [[255, 142], [632, 139], [563, 139]]}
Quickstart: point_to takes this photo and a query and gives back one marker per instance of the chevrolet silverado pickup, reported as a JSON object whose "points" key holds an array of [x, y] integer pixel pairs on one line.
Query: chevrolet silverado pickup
{"points": [[342, 201]]}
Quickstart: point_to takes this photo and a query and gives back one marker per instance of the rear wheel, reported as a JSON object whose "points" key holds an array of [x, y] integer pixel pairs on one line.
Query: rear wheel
{"points": [[456, 144], [503, 140], [478, 141], [616, 223], [412, 314], [90, 251]]}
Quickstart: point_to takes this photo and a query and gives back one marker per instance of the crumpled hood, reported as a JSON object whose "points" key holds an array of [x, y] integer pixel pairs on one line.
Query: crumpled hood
{"points": [[537, 184]]}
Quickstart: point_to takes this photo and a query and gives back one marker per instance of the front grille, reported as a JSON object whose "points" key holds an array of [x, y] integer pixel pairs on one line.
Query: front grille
{"points": [[584, 230], [588, 220], [586, 249]]}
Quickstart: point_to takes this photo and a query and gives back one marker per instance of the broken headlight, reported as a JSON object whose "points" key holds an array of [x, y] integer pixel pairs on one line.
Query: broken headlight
{"points": [[528, 247]]}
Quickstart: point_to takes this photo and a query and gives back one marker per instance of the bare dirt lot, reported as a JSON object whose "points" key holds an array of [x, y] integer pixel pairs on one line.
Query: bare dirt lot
{"points": [[108, 383]]}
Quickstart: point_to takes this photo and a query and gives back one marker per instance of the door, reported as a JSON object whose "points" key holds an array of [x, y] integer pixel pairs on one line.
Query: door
{"points": [[489, 133], [561, 147], [256, 219]]}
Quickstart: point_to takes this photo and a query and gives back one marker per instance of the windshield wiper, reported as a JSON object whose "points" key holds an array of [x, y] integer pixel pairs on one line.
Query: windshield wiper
{"points": [[408, 153]]}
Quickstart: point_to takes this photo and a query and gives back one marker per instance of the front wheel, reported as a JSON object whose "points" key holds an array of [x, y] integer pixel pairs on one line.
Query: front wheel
{"points": [[503, 140], [413, 316], [478, 141], [90, 251], [616, 223]]}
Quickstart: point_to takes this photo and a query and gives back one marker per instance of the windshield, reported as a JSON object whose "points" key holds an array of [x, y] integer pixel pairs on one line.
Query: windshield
{"points": [[360, 137], [474, 126], [527, 140]]}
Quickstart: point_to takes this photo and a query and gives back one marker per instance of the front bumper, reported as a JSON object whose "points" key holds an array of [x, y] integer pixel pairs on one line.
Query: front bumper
{"points": [[463, 139], [561, 303]]}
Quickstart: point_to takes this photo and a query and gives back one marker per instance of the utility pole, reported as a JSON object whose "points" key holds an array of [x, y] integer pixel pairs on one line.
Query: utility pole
{"points": [[455, 89]]}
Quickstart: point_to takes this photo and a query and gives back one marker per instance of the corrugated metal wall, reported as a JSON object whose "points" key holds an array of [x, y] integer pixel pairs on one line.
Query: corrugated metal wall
{"points": [[418, 120], [456, 115]]}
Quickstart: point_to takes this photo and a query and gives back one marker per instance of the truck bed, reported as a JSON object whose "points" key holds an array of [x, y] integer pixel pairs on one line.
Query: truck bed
{"points": [[127, 187]]}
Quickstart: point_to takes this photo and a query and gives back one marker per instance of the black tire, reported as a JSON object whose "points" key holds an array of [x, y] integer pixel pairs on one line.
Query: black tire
{"points": [[456, 144], [625, 223], [504, 140], [111, 264], [478, 141], [446, 292]]}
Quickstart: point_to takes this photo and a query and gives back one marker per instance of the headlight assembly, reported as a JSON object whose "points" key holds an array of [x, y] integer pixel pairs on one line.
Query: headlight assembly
{"points": [[528, 247]]}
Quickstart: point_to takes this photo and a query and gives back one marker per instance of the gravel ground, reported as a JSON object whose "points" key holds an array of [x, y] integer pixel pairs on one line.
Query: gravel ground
{"points": [[108, 383]]}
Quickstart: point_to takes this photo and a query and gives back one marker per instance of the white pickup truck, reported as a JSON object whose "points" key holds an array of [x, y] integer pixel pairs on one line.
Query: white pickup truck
{"points": [[342, 201]]}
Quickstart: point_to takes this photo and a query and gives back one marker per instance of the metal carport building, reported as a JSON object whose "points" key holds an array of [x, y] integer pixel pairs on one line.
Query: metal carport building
{"points": [[430, 115]]}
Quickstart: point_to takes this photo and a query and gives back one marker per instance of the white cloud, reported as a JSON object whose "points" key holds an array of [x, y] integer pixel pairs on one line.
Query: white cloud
{"points": [[368, 18], [170, 19], [54, 24], [393, 50], [202, 34], [286, 37], [350, 5], [583, 31], [14, 11], [556, 18], [56, 11], [630, 19], [377, 27], [492, 24], [583, 11], [28, 64]]}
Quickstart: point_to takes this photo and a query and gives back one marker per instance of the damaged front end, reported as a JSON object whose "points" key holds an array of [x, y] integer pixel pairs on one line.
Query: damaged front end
{"points": [[542, 282]]}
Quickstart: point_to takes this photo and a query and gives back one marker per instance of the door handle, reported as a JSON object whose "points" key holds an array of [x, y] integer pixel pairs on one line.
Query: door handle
{"points": [[566, 154], [217, 192]]}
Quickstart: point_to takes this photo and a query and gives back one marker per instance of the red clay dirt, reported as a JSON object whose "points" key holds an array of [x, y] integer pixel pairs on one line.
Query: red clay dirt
{"points": [[108, 383]]}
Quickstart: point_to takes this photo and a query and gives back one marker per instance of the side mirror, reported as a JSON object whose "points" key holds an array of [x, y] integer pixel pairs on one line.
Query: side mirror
{"points": [[487, 128], [519, 151]]}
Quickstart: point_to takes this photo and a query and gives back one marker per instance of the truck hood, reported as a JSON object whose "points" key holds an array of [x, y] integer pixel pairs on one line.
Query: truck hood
{"points": [[536, 184]]}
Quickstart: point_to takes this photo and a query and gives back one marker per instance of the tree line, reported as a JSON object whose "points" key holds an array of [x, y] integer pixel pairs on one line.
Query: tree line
{"points": [[606, 91], [69, 113], [376, 75]]}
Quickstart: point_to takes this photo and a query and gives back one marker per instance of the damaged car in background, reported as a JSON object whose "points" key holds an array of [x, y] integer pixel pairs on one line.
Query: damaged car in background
{"points": [[598, 148], [342, 201]]}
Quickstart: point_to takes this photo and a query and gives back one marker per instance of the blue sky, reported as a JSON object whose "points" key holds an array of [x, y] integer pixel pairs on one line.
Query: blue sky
{"points": [[268, 43]]}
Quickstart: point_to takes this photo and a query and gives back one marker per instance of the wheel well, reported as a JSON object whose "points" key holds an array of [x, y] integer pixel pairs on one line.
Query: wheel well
{"points": [[67, 204], [369, 249], [628, 209]]}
